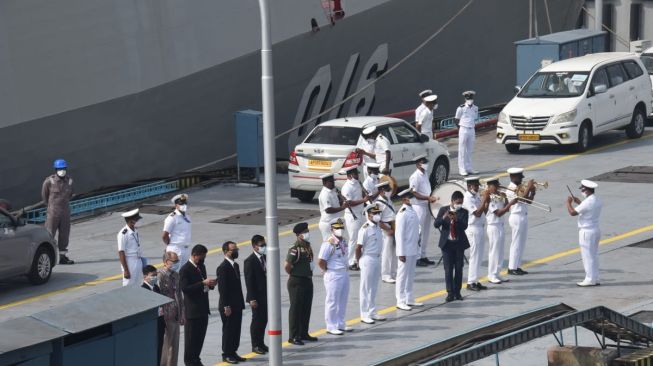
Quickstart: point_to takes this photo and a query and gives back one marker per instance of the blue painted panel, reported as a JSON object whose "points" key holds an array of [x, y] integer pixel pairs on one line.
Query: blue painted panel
{"points": [[97, 352], [137, 345], [568, 50], [599, 43], [249, 138], [39, 361], [530, 56]]}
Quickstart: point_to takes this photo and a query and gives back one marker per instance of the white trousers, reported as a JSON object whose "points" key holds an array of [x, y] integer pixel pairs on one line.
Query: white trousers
{"points": [[135, 266], [388, 258], [424, 216], [353, 226], [476, 236], [588, 239], [519, 228], [405, 280], [495, 238], [336, 285], [369, 285], [466, 138], [182, 250], [325, 230]]}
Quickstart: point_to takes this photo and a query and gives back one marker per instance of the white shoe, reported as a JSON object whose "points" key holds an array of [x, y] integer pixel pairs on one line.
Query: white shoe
{"points": [[336, 332], [495, 281], [464, 174], [404, 307], [503, 279], [415, 304], [587, 284], [389, 280], [474, 171], [347, 329], [367, 320], [379, 317]]}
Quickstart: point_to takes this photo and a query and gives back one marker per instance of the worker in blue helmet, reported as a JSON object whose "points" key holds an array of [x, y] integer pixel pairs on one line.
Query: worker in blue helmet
{"points": [[56, 192]]}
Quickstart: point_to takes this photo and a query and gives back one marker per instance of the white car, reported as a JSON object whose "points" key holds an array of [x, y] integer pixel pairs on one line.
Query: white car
{"points": [[569, 101], [647, 60], [329, 147]]}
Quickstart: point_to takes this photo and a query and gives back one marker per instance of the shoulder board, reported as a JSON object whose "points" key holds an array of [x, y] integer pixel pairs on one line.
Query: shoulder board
{"points": [[461, 106], [172, 213], [402, 209], [365, 225], [332, 241], [124, 231]]}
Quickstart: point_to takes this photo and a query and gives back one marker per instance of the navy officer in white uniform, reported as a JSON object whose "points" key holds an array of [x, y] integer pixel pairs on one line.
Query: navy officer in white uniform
{"points": [[425, 118], [419, 182], [353, 192], [466, 116], [330, 205], [177, 229], [423, 94], [368, 254], [407, 236], [130, 252]]}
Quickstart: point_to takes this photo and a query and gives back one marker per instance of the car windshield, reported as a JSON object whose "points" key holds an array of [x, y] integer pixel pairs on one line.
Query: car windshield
{"points": [[334, 135], [647, 59], [555, 85]]}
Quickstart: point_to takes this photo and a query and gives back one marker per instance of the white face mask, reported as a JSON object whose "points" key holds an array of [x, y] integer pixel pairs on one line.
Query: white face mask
{"points": [[182, 208], [374, 176], [306, 236], [61, 173], [376, 218], [585, 193], [469, 101], [370, 141], [457, 207], [338, 232], [435, 107], [425, 166], [262, 250]]}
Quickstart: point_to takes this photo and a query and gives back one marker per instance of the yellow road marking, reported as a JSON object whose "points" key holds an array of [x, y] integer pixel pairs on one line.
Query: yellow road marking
{"points": [[114, 277], [439, 293]]}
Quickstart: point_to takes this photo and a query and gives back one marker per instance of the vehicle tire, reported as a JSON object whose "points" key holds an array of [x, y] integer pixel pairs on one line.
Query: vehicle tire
{"points": [[440, 172], [584, 137], [41, 266], [512, 148], [304, 196], [635, 129]]}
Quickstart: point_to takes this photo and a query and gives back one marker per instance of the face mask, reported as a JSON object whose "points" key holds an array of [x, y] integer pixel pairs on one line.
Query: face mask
{"points": [[262, 250], [435, 107], [585, 193], [306, 236], [234, 254], [152, 281], [374, 176], [469, 101], [61, 173], [370, 141], [338, 233], [457, 207], [425, 166], [175, 266], [473, 190], [376, 218], [182, 208]]}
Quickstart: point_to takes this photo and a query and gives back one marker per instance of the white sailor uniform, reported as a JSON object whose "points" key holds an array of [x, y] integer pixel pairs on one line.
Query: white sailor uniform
{"points": [[129, 243], [407, 237], [495, 237], [475, 234], [352, 190], [518, 222], [178, 225], [336, 282], [371, 239], [467, 116], [388, 257], [589, 235], [381, 146], [327, 198], [419, 181], [368, 147]]}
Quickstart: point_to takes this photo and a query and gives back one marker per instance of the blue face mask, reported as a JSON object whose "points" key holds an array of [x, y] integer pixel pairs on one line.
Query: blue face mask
{"points": [[175, 266]]}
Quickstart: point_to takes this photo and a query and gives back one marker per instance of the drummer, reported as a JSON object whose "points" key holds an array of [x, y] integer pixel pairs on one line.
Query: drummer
{"points": [[419, 182], [371, 180]]}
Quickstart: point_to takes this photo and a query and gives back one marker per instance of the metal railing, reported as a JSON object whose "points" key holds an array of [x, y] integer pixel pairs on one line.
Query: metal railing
{"points": [[91, 204]]}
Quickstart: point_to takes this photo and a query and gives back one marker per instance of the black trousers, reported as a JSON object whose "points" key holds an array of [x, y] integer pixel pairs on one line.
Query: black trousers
{"points": [[194, 333], [259, 322], [453, 260], [300, 291], [231, 332], [161, 330]]}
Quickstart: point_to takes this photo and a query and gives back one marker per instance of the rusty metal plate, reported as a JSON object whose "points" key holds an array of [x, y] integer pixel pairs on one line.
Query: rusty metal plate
{"points": [[257, 217], [629, 174]]}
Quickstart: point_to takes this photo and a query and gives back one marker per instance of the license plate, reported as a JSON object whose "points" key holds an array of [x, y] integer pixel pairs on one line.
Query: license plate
{"points": [[529, 137], [319, 164]]}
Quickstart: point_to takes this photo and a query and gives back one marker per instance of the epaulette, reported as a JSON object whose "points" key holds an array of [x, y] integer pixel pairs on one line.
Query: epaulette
{"points": [[124, 232], [332, 241], [365, 225], [402, 209], [173, 213], [462, 105]]}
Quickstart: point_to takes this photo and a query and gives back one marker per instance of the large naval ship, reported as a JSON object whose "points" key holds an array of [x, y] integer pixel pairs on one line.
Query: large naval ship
{"points": [[129, 91]]}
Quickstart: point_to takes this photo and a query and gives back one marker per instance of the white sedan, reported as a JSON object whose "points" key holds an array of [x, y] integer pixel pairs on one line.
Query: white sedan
{"points": [[330, 146]]}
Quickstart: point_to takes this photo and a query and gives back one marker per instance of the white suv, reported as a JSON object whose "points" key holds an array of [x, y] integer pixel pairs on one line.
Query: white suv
{"points": [[569, 101], [330, 147]]}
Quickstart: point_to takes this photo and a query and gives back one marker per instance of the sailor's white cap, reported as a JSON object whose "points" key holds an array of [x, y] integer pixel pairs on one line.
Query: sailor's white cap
{"points": [[326, 176], [372, 207], [131, 214], [369, 130], [425, 93], [373, 165], [405, 192], [348, 170], [515, 171], [472, 178], [179, 197], [418, 158], [382, 184], [431, 98], [588, 183], [470, 93]]}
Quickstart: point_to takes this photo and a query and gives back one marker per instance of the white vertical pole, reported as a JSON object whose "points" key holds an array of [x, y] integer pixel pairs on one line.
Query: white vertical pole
{"points": [[598, 15]]}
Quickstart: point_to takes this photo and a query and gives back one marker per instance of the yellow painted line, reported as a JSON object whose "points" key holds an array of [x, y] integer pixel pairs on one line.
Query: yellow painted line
{"points": [[114, 277], [440, 293]]}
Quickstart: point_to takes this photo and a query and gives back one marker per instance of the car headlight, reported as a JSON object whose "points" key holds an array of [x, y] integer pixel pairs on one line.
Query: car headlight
{"points": [[565, 117], [503, 118]]}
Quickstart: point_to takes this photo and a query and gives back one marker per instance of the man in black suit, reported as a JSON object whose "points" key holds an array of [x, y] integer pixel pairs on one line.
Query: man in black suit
{"points": [[452, 222], [231, 303], [150, 280], [195, 286], [257, 296]]}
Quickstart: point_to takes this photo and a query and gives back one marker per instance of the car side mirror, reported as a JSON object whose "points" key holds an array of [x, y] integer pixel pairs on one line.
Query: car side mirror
{"points": [[517, 89], [423, 138], [598, 89]]}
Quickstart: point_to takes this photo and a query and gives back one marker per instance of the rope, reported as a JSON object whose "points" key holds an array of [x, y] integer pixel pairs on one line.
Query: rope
{"points": [[548, 16], [623, 41], [365, 87]]}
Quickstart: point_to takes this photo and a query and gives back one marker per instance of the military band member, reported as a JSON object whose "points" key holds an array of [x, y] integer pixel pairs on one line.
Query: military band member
{"points": [[588, 211], [365, 148], [371, 180], [330, 205], [466, 116], [368, 253], [477, 206], [177, 229], [333, 263], [518, 219], [407, 237], [352, 191], [388, 257], [381, 153], [299, 266], [130, 252], [498, 207], [419, 182]]}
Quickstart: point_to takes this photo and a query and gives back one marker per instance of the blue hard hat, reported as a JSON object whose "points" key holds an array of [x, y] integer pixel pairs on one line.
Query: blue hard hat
{"points": [[60, 164]]}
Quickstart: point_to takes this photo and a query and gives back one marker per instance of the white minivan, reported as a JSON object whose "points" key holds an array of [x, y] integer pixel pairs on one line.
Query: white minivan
{"points": [[567, 102]]}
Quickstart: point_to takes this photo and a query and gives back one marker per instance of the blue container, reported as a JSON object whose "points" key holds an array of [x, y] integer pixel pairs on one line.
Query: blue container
{"points": [[249, 140]]}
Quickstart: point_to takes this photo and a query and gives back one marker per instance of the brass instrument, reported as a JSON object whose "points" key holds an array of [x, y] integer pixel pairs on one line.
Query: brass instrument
{"points": [[392, 181], [521, 192]]}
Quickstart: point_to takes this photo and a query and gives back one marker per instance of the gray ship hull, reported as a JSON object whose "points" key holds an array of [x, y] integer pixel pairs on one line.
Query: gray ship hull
{"points": [[188, 122]]}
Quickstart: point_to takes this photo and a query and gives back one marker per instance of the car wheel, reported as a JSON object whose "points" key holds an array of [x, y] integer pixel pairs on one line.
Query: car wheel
{"points": [[304, 196], [41, 267], [512, 148], [440, 172], [636, 127], [584, 137]]}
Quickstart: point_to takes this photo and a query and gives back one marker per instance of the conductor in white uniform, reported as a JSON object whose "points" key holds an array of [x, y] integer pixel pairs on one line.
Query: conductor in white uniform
{"points": [[407, 237], [419, 182], [177, 229], [589, 233], [466, 116], [130, 252]]}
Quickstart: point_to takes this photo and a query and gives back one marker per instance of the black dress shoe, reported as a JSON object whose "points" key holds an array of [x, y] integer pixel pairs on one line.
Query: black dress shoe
{"points": [[240, 359], [472, 287], [480, 286], [296, 342], [449, 298], [521, 271], [428, 261], [422, 263], [230, 359], [265, 348], [354, 267], [65, 260], [259, 350], [514, 272], [309, 338], [458, 297]]}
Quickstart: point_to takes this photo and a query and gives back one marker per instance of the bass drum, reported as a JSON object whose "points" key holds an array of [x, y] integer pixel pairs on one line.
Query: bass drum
{"points": [[444, 192]]}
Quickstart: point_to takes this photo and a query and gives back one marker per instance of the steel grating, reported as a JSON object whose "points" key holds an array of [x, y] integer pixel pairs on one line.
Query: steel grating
{"points": [[629, 174], [285, 217]]}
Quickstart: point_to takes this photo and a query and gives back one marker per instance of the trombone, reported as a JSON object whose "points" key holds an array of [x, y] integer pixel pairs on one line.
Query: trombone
{"points": [[520, 192]]}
